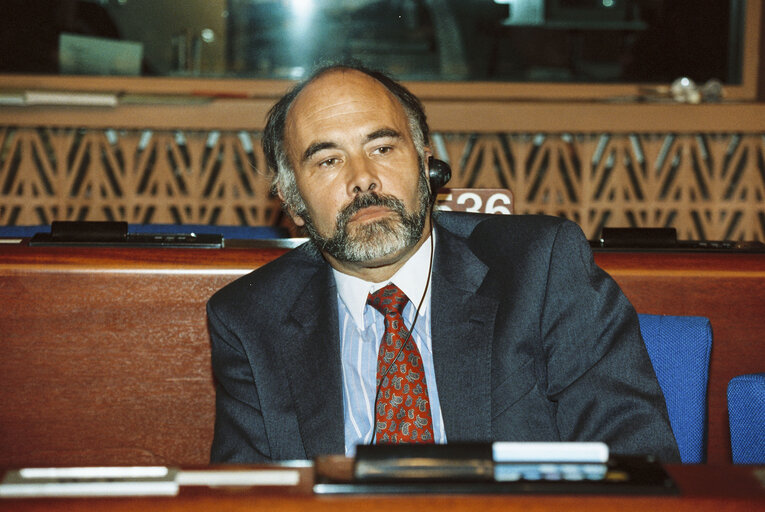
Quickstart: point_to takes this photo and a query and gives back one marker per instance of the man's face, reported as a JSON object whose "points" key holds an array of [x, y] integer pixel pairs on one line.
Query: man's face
{"points": [[357, 170]]}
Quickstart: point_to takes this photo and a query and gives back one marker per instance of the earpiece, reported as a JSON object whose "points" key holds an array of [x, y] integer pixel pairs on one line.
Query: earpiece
{"points": [[439, 173]]}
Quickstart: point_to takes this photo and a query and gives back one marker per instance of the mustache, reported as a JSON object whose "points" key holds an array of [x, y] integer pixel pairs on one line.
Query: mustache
{"points": [[365, 201]]}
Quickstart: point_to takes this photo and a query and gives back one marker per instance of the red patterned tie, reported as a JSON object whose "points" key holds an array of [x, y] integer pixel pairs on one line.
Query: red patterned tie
{"points": [[403, 408]]}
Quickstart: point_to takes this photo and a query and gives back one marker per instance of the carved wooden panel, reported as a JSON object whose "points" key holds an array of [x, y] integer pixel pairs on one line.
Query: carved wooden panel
{"points": [[707, 185], [137, 176]]}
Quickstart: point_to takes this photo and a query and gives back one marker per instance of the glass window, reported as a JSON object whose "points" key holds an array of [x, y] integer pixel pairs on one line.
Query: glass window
{"points": [[590, 41]]}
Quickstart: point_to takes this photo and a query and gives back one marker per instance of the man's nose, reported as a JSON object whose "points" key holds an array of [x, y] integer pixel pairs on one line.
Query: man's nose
{"points": [[363, 176]]}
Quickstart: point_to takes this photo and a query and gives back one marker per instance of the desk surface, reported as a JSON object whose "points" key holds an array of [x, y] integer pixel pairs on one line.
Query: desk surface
{"points": [[703, 488]]}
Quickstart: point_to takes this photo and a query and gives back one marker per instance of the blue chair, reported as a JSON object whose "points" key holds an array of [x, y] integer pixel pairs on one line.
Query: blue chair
{"points": [[679, 348], [746, 413]]}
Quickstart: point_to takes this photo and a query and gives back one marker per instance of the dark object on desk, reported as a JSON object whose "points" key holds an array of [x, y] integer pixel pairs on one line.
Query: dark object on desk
{"points": [[418, 462], [229, 232], [81, 231], [469, 469], [665, 239], [638, 237], [115, 234]]}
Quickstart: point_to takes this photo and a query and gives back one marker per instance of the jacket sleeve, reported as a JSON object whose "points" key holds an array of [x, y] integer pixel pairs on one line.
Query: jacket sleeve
{"points": [[240, 434], [599, 375]]}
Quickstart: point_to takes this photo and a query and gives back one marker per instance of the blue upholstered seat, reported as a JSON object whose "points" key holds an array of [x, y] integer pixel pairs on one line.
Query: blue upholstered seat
{"points": [[746, 413], [679, 348]]}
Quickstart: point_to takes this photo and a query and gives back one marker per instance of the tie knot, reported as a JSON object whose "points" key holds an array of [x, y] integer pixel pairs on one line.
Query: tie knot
{"points": [[388, 300]]}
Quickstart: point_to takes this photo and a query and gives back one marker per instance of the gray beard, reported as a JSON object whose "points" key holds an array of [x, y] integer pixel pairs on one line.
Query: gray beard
{"points": [[376, 239]]}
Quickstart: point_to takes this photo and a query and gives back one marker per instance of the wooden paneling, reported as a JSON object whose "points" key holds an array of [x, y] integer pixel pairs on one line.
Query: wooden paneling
{"points": [[104, 353], [444, 115]]}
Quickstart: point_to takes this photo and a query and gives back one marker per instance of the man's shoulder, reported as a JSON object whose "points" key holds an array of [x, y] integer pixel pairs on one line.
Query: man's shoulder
{"points": [[503, 228], [283, 274], [498, 239]]}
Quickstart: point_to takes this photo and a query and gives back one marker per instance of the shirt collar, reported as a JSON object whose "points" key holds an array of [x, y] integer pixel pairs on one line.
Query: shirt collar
{"points": [[411, 279]]}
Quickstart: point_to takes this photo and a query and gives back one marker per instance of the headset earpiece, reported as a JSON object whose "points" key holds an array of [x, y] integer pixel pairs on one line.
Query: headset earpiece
{"points": [[439, 173]]}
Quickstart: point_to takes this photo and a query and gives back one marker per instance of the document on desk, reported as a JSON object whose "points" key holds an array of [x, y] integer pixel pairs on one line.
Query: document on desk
{"points": [[592, 453], [90, 481], [134, 481], [239, 477]]}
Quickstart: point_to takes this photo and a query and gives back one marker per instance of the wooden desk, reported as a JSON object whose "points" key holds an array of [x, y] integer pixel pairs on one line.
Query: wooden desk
{"points": [[703, 489], [104, 353]]}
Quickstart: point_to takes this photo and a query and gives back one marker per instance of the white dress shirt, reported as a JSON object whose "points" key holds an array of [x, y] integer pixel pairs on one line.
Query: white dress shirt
{"points": [[361, 330]]}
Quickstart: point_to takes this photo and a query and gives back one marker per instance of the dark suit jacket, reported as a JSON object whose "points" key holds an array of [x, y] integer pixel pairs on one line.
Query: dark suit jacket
{"points": [[531, 342]]}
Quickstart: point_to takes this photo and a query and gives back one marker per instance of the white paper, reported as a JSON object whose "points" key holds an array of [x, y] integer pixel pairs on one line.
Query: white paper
{"points": [[550, 452]]}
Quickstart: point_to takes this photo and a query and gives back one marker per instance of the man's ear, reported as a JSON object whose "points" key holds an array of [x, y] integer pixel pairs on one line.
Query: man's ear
{"points": [[427, 153], [297, 219]]}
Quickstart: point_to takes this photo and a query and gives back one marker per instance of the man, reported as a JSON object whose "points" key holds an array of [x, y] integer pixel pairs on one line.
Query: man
{"points": [[500, 328]]}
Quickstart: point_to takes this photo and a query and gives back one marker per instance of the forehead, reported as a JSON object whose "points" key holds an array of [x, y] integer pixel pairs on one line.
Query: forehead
{"points": [[337, 104]]}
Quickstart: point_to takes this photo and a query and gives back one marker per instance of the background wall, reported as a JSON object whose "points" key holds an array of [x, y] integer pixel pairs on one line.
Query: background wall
{"points": [[608, 162]]}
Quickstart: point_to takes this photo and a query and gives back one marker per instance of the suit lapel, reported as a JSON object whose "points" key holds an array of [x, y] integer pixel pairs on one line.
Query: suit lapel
{"points": [[312, 357], [462, 329]]}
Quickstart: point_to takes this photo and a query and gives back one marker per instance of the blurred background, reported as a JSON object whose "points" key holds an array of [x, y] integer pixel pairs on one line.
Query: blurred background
{"points": [[503, 40]]}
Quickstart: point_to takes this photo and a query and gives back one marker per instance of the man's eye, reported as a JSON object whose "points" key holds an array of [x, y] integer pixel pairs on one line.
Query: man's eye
{"points": [[382, 150], [329, 162]]}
